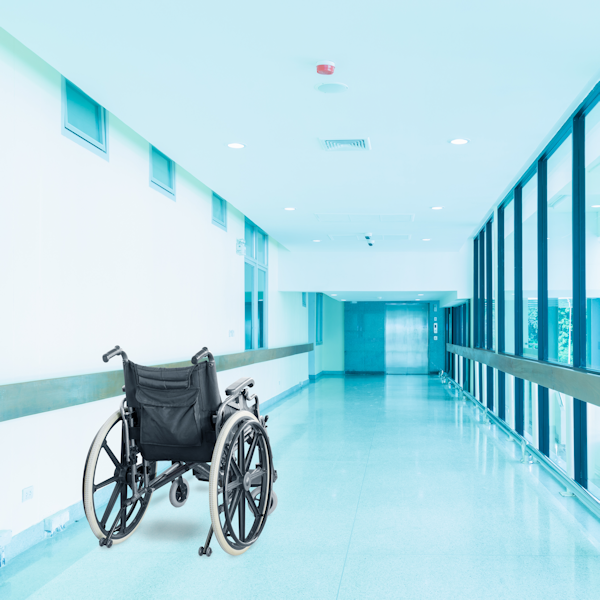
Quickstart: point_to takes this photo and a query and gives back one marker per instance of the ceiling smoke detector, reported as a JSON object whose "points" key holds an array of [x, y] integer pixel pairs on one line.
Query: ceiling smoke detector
{"points": [[352, 145]]}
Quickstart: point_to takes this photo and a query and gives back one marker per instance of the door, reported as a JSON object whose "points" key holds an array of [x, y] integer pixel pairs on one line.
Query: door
{"points": [[407, 339]]}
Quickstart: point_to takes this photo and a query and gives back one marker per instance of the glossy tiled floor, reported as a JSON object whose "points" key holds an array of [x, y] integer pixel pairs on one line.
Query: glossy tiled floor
{"points": [[388, 488]]}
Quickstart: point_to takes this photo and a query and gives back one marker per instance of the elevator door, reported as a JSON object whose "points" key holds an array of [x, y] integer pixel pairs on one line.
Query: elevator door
{"points": [[407, 339]]}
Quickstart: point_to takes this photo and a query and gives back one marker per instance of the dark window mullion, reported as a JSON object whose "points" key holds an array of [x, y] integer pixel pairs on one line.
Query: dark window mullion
{"points": [[542, 245], [489, 285], [482, 298], [518, 229], [579, 297], [476, 292], [500, 286]]}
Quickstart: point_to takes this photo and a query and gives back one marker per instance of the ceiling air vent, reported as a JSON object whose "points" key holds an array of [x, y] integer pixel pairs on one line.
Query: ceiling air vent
{"points": [[346, 145]]}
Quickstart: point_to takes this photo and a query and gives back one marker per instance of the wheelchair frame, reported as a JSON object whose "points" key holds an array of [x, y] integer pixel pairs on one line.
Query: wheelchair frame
{"points": [[230, 479]]}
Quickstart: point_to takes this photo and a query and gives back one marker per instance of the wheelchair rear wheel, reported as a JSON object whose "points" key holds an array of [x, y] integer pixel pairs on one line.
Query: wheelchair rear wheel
{"points": [[240, 495], [107, 487]]}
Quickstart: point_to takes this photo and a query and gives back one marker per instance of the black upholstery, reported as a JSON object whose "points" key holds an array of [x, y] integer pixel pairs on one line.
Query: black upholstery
{"points": [[174, 409]]}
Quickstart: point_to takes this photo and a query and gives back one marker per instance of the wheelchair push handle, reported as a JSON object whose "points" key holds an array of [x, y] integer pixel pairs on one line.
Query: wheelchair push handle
{"points": [[116, 351], [202, 354]]}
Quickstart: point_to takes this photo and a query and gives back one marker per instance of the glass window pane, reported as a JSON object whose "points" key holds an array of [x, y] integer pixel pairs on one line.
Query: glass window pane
{"points": [[593, 443], [476, 365], [249, 236], [560, 254], [528, 410], [592, 236], [319, 319], [530, 270], [509, 400], [162, 170], [261, 254], [248, 299], [483, 284], [83, 113], [558, 403], [219, 209], [262, 298], [509, 277]]}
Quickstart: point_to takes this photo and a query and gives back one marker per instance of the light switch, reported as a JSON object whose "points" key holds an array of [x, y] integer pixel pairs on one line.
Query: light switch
{"points": [[435, 328]]}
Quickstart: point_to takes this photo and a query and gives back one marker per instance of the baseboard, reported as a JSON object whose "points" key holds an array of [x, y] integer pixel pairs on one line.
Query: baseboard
{"points": [[365, 373], [269, 404]]}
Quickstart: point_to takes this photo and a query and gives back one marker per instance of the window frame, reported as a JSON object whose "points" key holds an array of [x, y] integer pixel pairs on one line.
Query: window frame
{"points": [[75, 134], [156, 184], [319, 310], [215, 221], [258, 266]]}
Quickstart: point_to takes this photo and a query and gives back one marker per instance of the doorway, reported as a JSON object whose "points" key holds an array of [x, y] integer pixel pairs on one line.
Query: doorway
{"points": [[407, 339]]}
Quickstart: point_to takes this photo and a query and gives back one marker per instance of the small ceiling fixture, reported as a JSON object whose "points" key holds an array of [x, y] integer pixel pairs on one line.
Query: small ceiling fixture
{"points": [[426, 240], [331, 88], [595, 205], [334, 294], [290, 209], [459, 141], [326, 68], [236, 145], [437, 207], [378, 297], [417, 299], [316, 240], [420, 294]]}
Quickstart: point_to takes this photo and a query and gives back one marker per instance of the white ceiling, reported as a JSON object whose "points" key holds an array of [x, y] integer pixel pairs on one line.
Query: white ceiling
{"points": [[193, 76]]}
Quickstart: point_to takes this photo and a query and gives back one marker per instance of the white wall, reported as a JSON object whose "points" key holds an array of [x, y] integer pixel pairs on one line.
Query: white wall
{"points": [[90, 257], [378, 272]]}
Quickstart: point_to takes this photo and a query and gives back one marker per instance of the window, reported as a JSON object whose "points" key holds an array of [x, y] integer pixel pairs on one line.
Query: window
{"points": [[509, 277], [219, 211], [528, 403], [84, 120], [162, 173], [592, 240], [319, 320], [560, 254], [593, 449], [304, 294], [530, 269], [255, 289], [559, 406]]}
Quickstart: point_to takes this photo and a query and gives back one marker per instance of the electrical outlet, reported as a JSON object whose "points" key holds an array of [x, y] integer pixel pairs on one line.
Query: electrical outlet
{"points": [[435, 338], [231, 333], [27, 494]]}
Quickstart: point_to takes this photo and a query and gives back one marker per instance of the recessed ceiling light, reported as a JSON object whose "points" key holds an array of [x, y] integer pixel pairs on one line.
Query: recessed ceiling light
{"points": [[595, 205], [334, 294], [316, 240], [378, 297], [343, 299], [236, 145], [290, 209], [426, 240], [420, 294], [437, 207], [459, 141], [417, 299]]}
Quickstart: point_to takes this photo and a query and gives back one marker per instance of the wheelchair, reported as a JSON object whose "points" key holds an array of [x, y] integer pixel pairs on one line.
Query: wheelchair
{"points": [[177, 415]]}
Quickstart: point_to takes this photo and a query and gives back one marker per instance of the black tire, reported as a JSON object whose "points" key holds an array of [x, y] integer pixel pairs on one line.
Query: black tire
{"points": [[106, 463], [241, 440]]}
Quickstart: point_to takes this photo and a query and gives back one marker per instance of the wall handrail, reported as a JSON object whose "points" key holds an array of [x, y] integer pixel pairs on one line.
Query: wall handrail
{"points": [[577, 383], [32, 397]]}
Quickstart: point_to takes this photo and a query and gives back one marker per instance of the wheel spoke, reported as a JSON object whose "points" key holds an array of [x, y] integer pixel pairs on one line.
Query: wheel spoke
{"points": [[242, 517], [232, 485], [251, 452], [250, 500], [105, 483], [241, 460], [111, 455], [236, 468], [111, 504]]}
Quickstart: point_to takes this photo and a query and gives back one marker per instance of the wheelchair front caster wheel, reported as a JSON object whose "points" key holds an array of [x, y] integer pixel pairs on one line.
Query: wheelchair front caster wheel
{"points": [[106, 542], [179, 492], [206, 552]]}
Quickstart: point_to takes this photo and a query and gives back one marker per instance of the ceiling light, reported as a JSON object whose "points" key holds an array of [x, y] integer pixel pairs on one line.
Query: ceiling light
{"points": [[437, 207], [378, 297], [334, 294], [343, 299], [417, 299], [316, 240], [459, 141], [426, 240], [290, 209], [236, 145], [420, 294], [595, 205]]}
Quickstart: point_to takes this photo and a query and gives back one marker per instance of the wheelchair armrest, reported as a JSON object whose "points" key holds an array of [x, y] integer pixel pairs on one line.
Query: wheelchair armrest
{"points": [[237, 386]]}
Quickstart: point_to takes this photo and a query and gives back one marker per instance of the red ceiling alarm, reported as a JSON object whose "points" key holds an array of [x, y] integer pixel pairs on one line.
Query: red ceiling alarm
{"points": [[326, 68]]}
